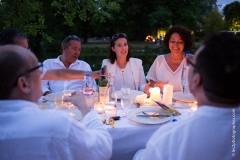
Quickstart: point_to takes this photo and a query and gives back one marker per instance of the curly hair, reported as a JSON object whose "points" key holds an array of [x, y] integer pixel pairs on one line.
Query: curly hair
{"points": [[184, 33], [112, 55]]}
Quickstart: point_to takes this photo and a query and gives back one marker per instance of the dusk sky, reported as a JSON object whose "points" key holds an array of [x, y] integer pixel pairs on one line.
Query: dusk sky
{"points": [[224, 2]]}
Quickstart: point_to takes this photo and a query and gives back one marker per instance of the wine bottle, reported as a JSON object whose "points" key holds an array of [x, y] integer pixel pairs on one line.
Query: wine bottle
{"points": [[103, 85]]}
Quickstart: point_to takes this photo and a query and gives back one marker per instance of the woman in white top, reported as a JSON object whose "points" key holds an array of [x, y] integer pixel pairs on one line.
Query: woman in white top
{"points": [[168, 68], [127, 71]]}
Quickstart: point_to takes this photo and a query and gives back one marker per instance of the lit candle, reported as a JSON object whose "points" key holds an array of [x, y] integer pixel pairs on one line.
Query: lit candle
{"points": [[99, 107], [110, 109], [167, 94], [154, 94], [147, 101]]}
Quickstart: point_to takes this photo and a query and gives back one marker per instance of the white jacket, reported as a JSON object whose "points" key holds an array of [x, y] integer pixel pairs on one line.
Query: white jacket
{"points": [[136, 70]]}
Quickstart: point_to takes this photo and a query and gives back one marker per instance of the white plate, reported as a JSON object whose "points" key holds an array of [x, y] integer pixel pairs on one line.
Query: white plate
{"points": [[132, 114], [183, 97], [132, 95], [50, 97]]}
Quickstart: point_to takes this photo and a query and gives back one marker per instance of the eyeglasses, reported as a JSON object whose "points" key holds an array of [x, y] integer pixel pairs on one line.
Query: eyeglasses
{"points": [[189, 62], [119, 35], [68, 38], [39, 66]]}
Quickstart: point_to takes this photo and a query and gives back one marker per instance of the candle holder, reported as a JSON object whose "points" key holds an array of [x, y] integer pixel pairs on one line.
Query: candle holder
{"points": [[99, 107], [110, 109]]}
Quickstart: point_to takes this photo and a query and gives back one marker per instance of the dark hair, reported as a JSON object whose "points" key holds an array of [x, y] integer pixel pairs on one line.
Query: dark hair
{"points": [[11, 65], [112, 55], [184, 33], [8, 36], [219, 67], [66, 41]]}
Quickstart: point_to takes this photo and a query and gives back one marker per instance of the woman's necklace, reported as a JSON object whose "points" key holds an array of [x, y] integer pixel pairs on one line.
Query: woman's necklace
{"points": [[176, 60], [121, 69]]}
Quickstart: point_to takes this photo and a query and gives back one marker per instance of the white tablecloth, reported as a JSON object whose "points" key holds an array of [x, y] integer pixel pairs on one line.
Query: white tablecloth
{"points": [[129, 136]]}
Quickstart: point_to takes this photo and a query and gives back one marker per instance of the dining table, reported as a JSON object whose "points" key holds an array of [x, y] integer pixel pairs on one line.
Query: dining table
{"points": [[128, 135]]}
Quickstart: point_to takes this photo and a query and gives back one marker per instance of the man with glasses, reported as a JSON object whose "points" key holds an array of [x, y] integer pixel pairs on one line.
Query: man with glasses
{"points": [[13, 36], [27, 132], [213, 132], [71, 48]]}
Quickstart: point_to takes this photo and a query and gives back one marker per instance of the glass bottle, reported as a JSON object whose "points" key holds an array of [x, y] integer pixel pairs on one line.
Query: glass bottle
{"points": [[184, 77], [88, 89], [103, 85], [111, 97]]}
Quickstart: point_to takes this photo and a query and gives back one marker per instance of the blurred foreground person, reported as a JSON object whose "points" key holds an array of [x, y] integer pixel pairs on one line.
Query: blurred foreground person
{"points": [[30, 133], [213, 131], [13, 36]]}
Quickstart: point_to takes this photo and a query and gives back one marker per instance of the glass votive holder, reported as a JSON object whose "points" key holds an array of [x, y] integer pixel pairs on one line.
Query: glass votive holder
{"points": [[110, 109], [99, 107]]}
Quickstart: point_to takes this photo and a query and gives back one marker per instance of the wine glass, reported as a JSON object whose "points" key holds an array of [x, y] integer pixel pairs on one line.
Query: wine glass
{"points": [[126, 103], [68, 93], [125, 91]]}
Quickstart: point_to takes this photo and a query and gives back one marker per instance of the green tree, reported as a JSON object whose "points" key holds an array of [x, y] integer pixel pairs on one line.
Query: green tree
{"points": [[213, 21], [25, 15], [232, 15], [85, 12]]}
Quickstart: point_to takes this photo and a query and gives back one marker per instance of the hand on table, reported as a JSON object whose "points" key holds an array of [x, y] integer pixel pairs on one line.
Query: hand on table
{"points": [[160, 84]]}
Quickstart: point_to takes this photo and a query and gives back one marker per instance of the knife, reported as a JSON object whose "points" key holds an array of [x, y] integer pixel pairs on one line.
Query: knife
{"points": [[154, 116]]}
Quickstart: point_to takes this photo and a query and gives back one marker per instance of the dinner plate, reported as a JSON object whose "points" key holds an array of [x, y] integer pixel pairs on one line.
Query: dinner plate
{"points": [[50, 96], [183, 97], [132, 95], [132, 114]]}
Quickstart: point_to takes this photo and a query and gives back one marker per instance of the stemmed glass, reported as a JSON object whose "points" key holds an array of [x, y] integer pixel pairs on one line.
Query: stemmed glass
{"points": [[69, 105], [126, 103], [125, 91]]}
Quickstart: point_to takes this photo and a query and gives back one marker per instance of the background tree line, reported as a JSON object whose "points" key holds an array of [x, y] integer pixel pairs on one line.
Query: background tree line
{"points": [[48, 22]]}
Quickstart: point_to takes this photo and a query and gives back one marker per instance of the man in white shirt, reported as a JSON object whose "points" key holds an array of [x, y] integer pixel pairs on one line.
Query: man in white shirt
{"points": [[71, 48], [13, 36], [213, 132], [30, 133]]}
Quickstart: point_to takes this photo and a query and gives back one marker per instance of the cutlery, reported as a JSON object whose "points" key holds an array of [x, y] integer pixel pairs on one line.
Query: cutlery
{"points": [[173, 111], [154, 115]]}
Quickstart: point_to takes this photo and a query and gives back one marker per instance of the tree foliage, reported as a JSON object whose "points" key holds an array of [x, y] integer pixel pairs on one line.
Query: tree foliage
{"points": [[48, 22], [213, 21], [232, 15]]}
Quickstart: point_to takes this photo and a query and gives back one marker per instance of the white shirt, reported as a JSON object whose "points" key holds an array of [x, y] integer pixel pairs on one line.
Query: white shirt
{"points": [[133, 75], [161, 71], [27, 132], [207, 135], [58, 86]]}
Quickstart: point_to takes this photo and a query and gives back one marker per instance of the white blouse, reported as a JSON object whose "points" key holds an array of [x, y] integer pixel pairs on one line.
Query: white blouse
{"points": [[161, 71]]}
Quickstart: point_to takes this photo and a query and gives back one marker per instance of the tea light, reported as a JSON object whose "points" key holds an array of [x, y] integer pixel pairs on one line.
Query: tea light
{"points": [[99, 107], [110, 109], [141, 98], [154, 94], [167, 94], [147, 101]]}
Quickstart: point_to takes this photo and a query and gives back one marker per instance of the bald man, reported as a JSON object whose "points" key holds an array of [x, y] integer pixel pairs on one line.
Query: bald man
{"points": [[13, 36], [30, 133]]}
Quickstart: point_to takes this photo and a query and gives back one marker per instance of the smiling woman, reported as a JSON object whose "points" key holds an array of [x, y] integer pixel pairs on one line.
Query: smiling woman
{"points": [[128, 71], [167, 69]]}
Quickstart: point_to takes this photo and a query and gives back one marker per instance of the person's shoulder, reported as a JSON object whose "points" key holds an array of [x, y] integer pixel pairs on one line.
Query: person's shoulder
{"points": [[105, 61], [135, 59], [49, 60], [82, 62]]}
